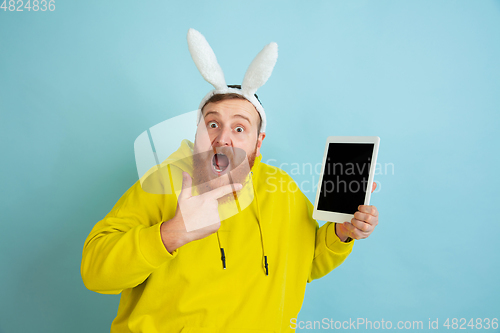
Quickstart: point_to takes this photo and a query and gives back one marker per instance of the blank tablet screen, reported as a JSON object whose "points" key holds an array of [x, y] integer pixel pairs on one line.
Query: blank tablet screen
{"points": [[345, 177]]}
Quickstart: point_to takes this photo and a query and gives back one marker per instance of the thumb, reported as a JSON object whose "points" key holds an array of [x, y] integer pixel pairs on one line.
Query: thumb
{"points": [[186, 185]]}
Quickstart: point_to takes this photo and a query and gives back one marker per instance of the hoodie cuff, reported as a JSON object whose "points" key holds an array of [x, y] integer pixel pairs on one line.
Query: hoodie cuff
{"points": [[333, 241], [152, 247]]}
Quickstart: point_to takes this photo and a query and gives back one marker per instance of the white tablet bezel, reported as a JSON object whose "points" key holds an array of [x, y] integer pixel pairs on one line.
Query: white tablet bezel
{"points": [[342, 217]]}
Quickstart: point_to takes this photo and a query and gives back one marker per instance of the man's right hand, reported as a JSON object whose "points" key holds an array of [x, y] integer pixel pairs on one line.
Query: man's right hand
{"points": [[196, 217]]}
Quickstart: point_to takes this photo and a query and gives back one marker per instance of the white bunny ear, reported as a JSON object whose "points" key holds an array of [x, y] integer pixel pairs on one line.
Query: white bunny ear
{"points": [[204, 58], [260, 69]]}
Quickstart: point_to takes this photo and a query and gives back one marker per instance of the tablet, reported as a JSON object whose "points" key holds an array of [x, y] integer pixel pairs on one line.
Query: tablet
{"points": [[346, 177]]}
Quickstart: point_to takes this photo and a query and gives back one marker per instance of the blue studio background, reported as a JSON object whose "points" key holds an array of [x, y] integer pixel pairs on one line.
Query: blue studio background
{"points": [[79, 84]]}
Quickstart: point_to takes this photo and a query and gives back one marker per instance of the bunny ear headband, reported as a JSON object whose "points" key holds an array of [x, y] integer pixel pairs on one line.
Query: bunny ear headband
{"points": [[256, 75]]}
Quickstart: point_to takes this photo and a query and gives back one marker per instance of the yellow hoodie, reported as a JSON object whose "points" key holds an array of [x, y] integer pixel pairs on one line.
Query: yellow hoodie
{"points": [[271, 248]]}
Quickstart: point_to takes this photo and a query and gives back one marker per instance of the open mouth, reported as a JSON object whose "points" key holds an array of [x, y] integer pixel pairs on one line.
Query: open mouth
{"points": [[220, 162]]}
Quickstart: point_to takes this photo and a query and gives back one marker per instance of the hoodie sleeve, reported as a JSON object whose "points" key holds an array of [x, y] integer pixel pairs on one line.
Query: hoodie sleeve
{"points": [[125, 247], [329, 250]]}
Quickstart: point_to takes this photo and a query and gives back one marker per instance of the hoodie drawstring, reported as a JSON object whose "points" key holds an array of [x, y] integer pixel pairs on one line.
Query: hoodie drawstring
{"points": [[266, 266], [223, 255]]}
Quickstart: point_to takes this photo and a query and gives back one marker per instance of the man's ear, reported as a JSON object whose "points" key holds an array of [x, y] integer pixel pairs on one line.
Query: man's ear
{"points": [[260, 138]]}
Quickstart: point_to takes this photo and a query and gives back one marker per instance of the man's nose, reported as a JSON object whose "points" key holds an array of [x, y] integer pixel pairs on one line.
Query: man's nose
{"points": [[224, 138]]}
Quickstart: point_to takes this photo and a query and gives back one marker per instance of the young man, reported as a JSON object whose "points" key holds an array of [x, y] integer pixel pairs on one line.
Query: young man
{"points": [[179, 268]]}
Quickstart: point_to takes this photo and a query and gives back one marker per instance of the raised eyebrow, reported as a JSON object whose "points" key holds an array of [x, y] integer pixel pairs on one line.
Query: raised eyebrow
{"points": [[242, 116], [210, 112], [236, 115]]}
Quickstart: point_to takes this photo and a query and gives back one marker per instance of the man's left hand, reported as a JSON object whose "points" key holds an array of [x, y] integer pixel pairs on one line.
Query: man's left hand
{"points": [[362, 225]]}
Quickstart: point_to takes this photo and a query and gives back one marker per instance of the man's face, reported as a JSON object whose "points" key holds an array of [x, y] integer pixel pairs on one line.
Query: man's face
{"points": [[226, 143]]}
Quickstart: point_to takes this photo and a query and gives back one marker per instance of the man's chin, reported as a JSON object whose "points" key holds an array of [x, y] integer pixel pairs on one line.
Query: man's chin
{"points": [[204, 185], [228, 198]]}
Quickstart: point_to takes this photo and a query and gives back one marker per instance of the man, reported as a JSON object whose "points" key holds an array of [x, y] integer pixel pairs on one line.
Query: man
{"points": [[231, 251]]}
